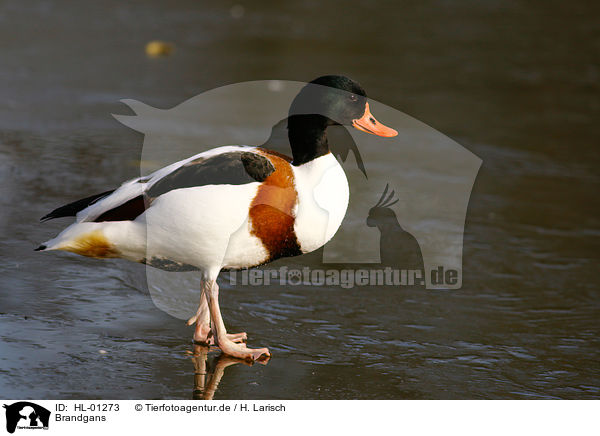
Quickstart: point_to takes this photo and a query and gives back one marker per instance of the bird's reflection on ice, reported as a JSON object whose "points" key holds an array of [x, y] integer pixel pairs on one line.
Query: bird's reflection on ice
{"points": [[209, 370]]}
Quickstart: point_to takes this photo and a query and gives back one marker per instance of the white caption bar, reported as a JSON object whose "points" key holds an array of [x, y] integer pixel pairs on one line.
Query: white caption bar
{"points": [[335, 417]]}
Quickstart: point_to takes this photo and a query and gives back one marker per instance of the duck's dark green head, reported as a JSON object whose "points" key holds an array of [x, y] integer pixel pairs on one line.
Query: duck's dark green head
{"points": [[338, 100]]}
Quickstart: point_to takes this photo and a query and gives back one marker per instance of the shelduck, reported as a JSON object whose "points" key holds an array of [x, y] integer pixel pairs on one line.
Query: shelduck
{"points": [[231, 207]]}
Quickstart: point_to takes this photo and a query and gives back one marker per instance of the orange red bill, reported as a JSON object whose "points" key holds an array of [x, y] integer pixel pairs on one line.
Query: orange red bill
{"points": [[368, 123]]}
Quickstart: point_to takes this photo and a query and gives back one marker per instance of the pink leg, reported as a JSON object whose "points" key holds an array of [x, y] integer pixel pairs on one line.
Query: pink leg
{"points": [[202, 320], [226, 345], [203, 333]]}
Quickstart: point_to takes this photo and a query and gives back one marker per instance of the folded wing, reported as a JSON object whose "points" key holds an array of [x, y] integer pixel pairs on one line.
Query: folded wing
{"points": [[231, 165]]}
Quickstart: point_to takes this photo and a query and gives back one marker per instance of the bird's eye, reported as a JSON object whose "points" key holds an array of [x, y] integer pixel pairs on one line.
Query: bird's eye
{"points": [[353, 97]]}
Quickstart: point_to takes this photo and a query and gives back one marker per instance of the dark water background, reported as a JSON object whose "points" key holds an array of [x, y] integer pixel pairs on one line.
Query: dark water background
{"points": [[516, 82]]}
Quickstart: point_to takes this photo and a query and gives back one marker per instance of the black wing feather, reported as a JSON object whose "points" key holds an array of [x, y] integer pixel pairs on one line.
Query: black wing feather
{"points": [[71, 209], [233, 168]]}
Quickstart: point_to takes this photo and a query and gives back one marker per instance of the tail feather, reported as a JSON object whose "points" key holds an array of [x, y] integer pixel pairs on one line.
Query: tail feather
{"points": [[71, 209], [103, 240]]}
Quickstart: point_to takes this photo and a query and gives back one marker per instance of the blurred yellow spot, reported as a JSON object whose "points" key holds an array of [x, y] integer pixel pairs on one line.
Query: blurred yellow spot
{"points": [[159, 48]]}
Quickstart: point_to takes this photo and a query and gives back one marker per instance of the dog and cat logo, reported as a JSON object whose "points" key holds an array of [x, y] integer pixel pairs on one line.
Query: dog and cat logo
{"points": [[26, 415]]}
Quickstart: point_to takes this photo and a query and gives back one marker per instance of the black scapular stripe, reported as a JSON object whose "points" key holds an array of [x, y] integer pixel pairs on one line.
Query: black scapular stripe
{"points": [[71, 209], [233, 168], [127, 211]]}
